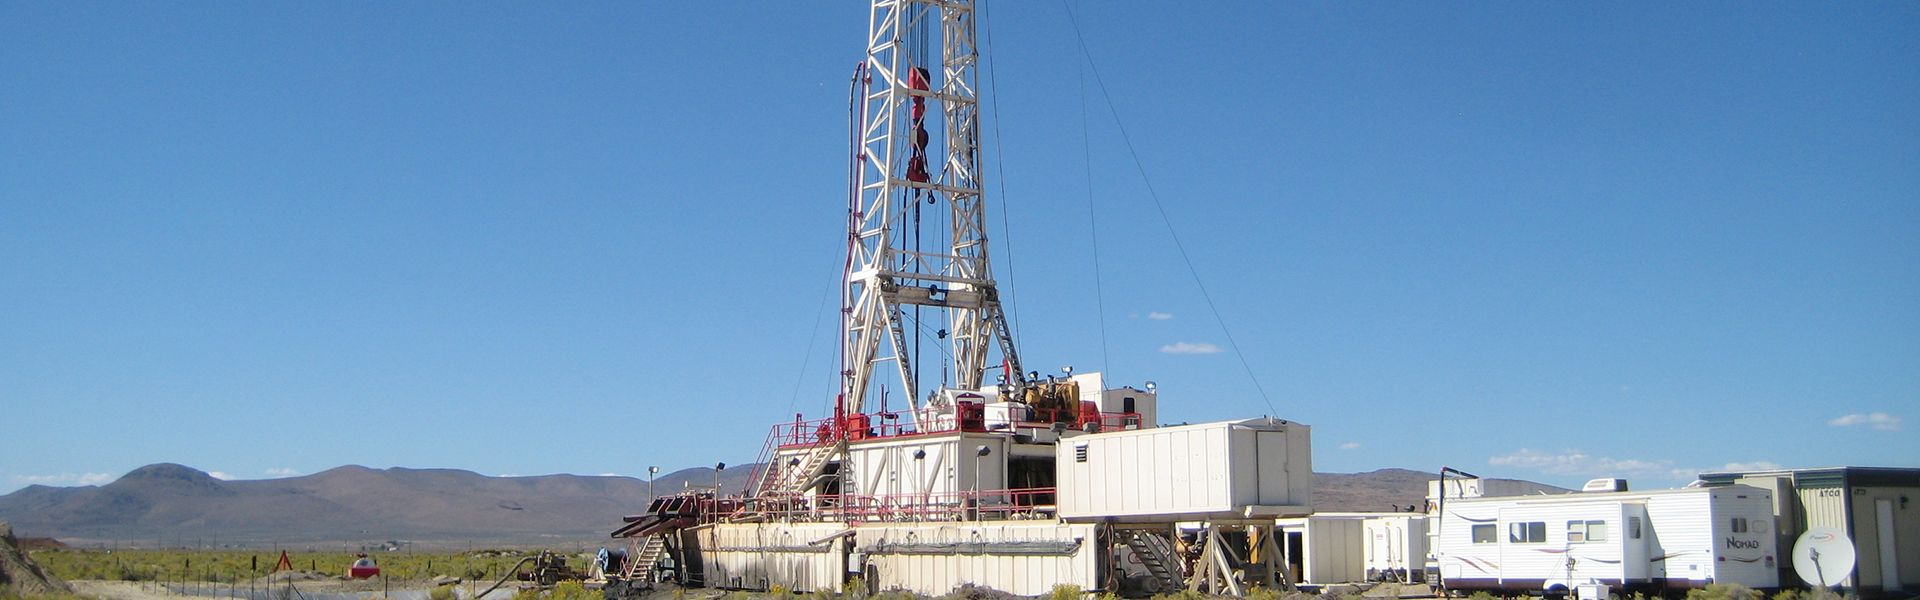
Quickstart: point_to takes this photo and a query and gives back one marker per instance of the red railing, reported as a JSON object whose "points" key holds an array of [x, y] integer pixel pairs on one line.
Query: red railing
{"points": [[985, 505], [962, 417]]}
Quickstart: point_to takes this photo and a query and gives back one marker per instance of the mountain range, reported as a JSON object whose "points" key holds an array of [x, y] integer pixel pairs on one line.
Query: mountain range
{"points": [[174, 505]]}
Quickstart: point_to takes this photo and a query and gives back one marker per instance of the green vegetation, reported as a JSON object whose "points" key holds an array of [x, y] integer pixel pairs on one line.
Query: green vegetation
{"points": [[572, 590], [241, 565], [1724, 591], [1181, 595]]}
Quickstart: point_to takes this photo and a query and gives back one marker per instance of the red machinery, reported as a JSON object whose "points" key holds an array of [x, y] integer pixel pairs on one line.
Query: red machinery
{"points": [[363, 568]]}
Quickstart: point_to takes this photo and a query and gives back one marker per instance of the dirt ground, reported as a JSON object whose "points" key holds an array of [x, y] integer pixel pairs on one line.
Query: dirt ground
{"points": [[123, 590]]}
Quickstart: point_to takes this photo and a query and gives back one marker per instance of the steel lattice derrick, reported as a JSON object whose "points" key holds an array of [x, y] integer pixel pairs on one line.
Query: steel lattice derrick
{"points": [[896, 173]]}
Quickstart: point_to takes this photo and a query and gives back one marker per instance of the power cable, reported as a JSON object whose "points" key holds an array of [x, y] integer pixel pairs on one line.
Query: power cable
{"points": [[1000, 176], [1157, 204], [819, 315], [1093, 224]]}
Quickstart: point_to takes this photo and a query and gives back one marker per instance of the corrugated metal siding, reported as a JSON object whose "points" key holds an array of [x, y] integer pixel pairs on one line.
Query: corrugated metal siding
{"points": [[1334, 551], [1822, 496], [1020, 574], [1820, 478], [758, 556]]}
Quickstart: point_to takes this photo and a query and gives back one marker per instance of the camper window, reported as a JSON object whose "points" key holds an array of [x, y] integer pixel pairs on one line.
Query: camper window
{"points": [[1531, 532], [1586, 531], [1486, 534], [1633, 527], [1739, 525]]}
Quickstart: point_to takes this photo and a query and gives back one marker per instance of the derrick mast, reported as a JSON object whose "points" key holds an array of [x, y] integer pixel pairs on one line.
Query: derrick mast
{"points": [[917, 240]]}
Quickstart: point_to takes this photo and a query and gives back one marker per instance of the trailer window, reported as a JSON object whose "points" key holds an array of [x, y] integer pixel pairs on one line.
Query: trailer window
{"points": [[1633, 527], [1586, 531], [1486, 534], [1531, 532], [1739, 524]]}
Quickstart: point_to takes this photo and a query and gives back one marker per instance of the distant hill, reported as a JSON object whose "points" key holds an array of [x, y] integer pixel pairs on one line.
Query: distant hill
{"points": [[1384, 490], [169, 503]]}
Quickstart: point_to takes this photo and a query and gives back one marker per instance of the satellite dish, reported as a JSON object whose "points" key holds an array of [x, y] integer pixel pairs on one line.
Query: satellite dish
{"points": [[1823, 556]]}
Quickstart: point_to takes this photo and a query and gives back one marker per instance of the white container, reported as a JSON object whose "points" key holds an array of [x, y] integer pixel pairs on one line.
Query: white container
{"points": [[1396, 547], [1257, 468], [1590, 591], [1333, 547]]}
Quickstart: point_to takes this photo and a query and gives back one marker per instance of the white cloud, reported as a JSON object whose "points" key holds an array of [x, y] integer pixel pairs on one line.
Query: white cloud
{"points": [[1190, 348], [282, 472], [609, 474], [1881, 421], [63, 479], [1575, 462], [1159, 316], [220, 476], [1350, 445]]}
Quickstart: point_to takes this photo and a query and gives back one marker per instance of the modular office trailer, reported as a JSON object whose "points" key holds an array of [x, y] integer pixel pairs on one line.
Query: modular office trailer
{"points": [[1878, 507], [1652, 540], [1248, 469]]}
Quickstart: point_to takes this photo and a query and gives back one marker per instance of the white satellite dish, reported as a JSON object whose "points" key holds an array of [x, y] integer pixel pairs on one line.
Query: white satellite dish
{"points": [[1823, 556]]}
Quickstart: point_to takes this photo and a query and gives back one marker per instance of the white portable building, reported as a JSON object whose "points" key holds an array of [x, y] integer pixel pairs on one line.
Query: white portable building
{"points": [[1650, 540], [1346, 547], [1257, 468], [1330, 547], [1396, 546]]}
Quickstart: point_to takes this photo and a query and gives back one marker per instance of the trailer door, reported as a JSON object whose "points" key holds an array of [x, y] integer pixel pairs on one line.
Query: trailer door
{"points": [[1634, 555]]}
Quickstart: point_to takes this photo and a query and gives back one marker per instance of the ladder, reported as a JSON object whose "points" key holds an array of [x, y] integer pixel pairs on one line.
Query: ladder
{"points": [[643, 557], [1156, 555]]}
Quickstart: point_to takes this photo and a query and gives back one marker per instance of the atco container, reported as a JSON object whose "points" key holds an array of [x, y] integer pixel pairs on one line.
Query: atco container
{"points": [[1257, 468]]}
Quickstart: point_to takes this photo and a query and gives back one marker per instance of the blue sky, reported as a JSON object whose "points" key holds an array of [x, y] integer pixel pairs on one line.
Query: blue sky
{"points": [[1553, 241]]}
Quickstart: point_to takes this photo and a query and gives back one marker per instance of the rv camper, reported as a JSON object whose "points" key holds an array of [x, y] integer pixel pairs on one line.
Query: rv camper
{"points": [[1644, 541]]}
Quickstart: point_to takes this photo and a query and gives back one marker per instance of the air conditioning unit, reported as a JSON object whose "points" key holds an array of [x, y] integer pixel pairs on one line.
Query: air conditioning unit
{"points": [[1605, 484]]}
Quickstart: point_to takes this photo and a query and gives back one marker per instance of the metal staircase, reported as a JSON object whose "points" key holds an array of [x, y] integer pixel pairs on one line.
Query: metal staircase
{"points": [[644, 557], [796, 478], [1156, 554]]}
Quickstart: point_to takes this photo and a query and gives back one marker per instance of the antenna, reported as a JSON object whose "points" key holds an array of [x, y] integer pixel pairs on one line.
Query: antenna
{"points": [[1823, 556]]}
